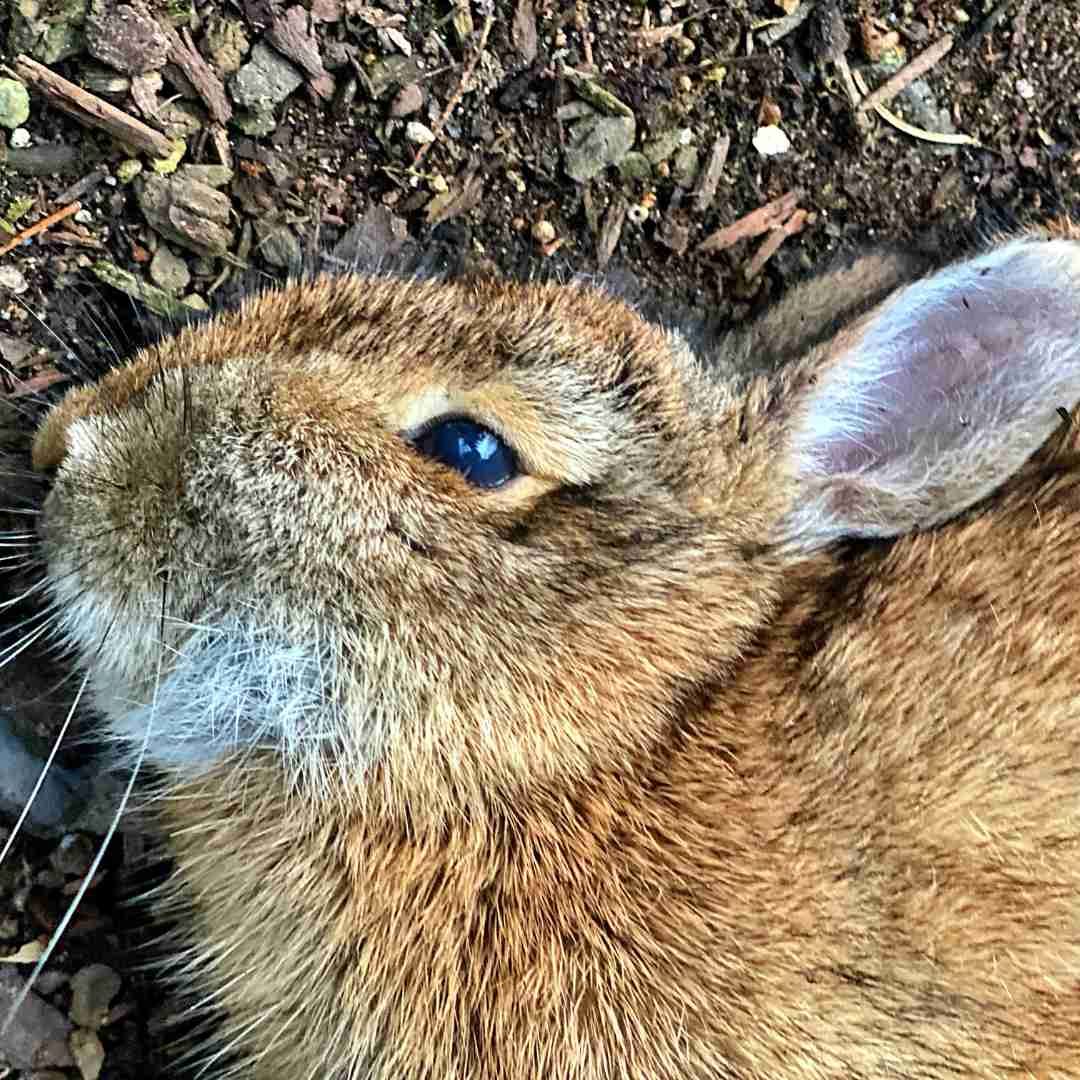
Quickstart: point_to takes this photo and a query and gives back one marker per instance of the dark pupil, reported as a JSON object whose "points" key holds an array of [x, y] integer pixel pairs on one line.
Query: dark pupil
{"points": [[475, 451]]}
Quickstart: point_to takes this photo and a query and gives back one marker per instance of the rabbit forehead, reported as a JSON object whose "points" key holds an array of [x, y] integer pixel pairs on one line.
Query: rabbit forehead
{"points": [[569, 376]]}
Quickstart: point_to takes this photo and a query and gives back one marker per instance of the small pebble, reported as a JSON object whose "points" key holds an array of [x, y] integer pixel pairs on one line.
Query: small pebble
{"points": [[418, 133], [12, 280], [543, 231], [76, 850], [770, 141], [169, 271], [14, 103], [83, 217], [20, 139], [1025, 89]]}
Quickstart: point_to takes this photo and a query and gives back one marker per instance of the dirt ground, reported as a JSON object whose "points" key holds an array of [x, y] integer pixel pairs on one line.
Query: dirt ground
{"points": [[530, 136]]}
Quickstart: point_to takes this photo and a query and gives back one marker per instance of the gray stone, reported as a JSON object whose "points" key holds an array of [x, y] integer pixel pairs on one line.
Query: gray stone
{"points": [[665, 144], [49, 32], [391, 71], [19, 771], [128, 40], [169, 271], [187, 212], [596, 142], [265, 80], [635, 166], [685, 166], [255, 122], [277, 243], [408, 100], [37, 1037]]}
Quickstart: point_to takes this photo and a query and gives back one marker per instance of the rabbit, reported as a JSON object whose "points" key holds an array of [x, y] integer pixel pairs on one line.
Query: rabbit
{"points": [[531, 695]]}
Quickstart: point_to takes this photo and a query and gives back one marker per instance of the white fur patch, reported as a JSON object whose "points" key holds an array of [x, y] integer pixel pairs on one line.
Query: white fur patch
{"points": [[230, 691]]}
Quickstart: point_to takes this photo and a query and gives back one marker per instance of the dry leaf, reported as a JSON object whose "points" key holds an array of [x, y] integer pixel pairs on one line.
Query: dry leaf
{"points": [[30, 953]]}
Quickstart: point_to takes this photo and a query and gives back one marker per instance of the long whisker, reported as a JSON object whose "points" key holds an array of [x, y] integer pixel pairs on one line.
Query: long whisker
{"points": [[91, 873], [19, 647], [44, 770]]}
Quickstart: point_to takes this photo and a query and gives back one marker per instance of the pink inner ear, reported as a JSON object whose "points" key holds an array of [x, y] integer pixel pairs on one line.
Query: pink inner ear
{"points": [[959, 374], [949, 357]]}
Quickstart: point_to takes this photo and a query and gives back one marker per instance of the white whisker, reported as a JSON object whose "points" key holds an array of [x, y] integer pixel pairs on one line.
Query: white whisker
{"points": [[44, 771], [91, 873], [24, 643]]}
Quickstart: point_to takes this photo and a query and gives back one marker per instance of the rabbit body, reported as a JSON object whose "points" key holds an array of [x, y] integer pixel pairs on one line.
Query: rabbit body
{"points": [[737, 735]]}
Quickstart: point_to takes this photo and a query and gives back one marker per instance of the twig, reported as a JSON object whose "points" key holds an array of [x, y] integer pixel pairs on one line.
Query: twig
{"points": [[91, 110], [764, 218], [82, 187], [782, 27], [40, 226], [907, 74], [581, 21], [36, 383], [854, 94], [459, 92], [943, 138], [772, 242]]}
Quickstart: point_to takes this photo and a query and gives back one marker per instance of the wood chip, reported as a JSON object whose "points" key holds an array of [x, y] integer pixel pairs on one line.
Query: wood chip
{"points": [[764, 218], [523, 33], [709, 180], [782, 27], [610, 232], [203, 78], [90, 110]]}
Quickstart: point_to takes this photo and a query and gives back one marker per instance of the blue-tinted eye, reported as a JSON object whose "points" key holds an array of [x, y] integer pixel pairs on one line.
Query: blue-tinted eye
{"points": [[474, 450]]}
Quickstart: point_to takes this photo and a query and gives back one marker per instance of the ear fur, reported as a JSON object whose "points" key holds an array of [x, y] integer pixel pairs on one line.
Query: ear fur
{"points": [[937, 396]]}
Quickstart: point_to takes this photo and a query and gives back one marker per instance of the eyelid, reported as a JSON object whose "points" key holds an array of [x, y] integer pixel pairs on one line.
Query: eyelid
{"points": [[418, 431]]}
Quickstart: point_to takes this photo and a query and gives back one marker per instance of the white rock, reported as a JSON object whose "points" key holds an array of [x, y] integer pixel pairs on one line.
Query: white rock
{"points": [[419, 133], [20, 138], [12, 280], [770, 141]]}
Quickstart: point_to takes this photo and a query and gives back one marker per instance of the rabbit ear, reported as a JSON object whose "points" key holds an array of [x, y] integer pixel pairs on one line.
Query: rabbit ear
{"points": [[938, 396]]}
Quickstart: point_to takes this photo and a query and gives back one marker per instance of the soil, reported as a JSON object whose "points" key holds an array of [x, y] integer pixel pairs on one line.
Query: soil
{"points": [[429, 122]]}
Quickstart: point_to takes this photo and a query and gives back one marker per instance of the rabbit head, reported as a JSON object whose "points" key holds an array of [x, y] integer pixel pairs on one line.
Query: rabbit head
{"points": [[254, 540]]}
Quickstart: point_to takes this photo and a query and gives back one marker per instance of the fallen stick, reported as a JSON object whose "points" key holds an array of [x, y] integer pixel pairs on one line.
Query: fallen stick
{"points": [[36, 383], [764, 218], [459, 93], [772, 242], [91, 110], [907, 74], [40, 226]]}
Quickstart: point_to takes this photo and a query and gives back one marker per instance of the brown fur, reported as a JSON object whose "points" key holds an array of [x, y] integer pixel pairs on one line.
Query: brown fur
{"points": [[657, 796]]}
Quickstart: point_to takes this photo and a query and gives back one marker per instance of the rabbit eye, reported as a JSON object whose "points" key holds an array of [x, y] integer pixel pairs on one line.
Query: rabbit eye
{"points": [[474, 450]]}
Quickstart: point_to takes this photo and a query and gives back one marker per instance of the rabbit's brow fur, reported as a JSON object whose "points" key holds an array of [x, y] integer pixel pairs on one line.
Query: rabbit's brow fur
{"points": [[738, 737]]}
